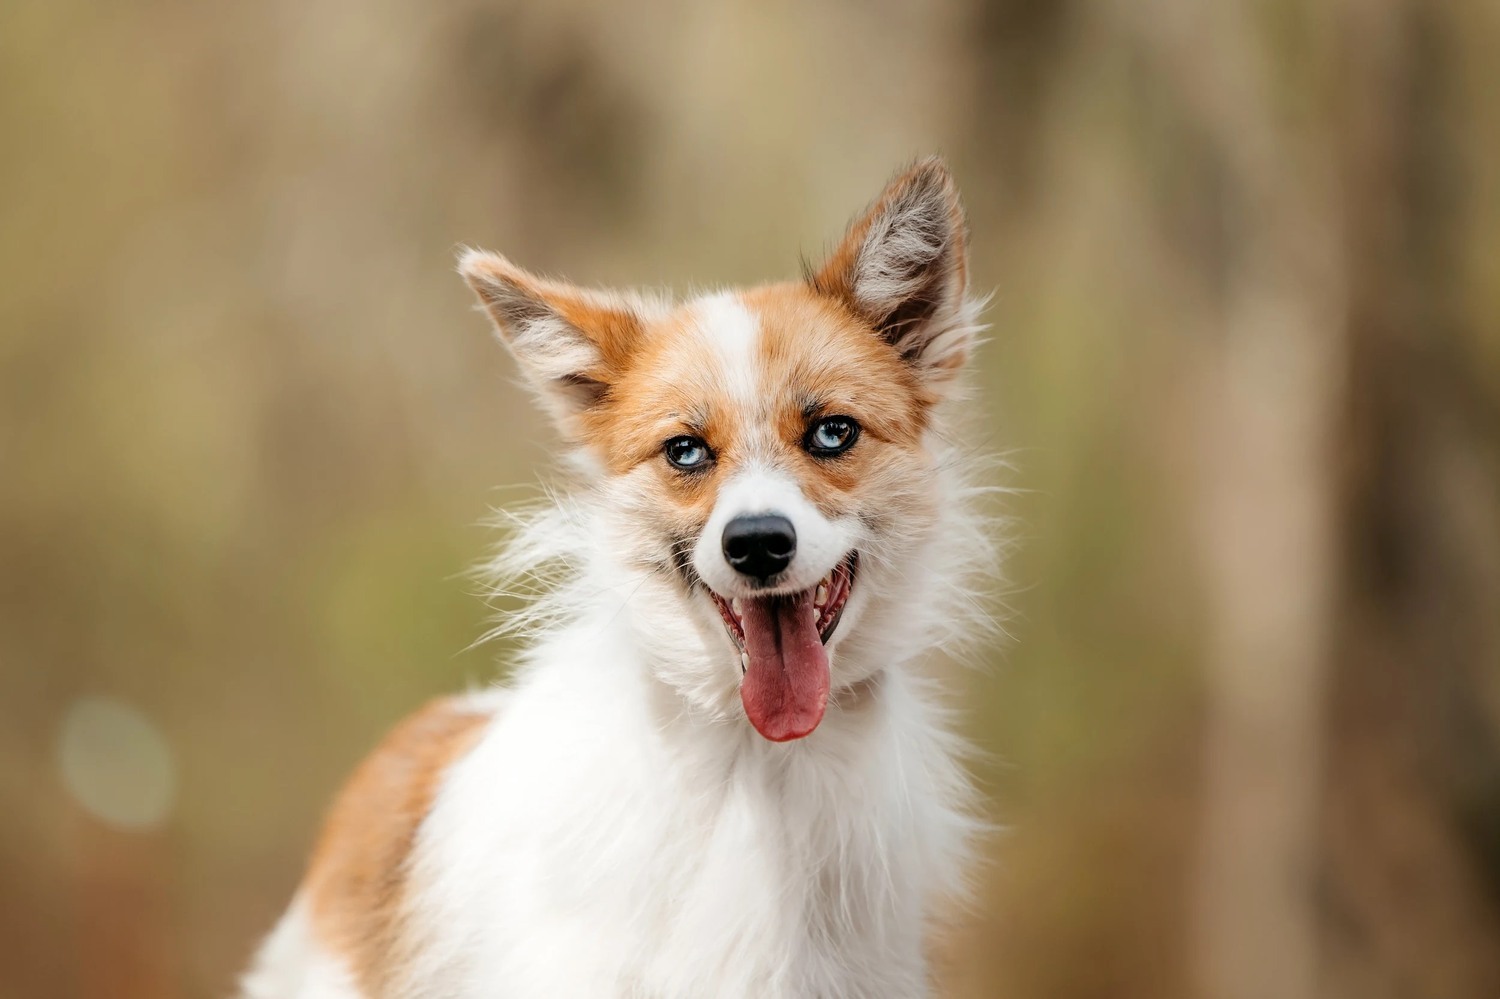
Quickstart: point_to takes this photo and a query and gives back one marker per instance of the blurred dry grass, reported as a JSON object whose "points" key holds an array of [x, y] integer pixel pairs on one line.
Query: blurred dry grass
{"points": [[1246, 350]]}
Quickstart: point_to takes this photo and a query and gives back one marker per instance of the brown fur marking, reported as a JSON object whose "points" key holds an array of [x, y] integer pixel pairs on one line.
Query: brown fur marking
{"points": [[357, 881]]}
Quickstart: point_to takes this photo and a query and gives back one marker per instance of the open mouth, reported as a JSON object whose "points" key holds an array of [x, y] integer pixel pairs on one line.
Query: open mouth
{"points": [[783, 659], [827, 601]]}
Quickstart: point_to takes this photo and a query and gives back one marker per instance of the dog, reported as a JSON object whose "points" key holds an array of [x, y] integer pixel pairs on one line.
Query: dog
{"points": [[724, 766]]}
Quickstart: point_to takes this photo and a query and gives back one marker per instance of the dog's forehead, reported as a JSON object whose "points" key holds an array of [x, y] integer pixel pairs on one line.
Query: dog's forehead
{"points": [[754, 347], [746, 371]]}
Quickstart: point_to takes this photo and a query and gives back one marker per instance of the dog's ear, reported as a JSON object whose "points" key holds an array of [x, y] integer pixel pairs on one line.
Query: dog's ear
{"points": [[570, 342], [903, 267]]}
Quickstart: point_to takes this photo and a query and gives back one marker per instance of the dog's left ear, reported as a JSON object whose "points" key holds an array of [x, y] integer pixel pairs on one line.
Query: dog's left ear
{"points": [[903, 267], [569, 342]]}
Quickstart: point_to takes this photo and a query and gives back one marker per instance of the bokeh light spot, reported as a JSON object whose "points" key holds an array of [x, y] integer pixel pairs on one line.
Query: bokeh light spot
{"points": [[117, 764]]}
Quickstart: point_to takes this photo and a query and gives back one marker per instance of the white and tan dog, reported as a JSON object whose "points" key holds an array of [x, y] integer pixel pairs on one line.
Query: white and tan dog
{"points": [[720, 769]]}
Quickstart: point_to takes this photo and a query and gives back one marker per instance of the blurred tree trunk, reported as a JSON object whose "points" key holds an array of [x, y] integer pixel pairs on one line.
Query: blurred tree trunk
{"points": [[1347, 495], [124, 945], [1411, 821], [1352, 499], [1271, 393]]}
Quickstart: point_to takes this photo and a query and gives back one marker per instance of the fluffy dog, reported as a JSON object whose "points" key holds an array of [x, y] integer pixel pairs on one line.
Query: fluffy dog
{"points": [[720, 769]]}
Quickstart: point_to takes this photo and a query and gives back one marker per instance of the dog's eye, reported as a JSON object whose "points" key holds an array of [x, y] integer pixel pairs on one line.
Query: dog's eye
{"points": [[831, 435], [686, 452]]}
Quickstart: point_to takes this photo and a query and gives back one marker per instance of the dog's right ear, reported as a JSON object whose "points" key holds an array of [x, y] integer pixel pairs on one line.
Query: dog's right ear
{"points": [[569, 342]]}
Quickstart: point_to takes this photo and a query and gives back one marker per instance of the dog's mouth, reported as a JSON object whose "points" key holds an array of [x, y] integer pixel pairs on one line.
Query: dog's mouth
{"points": [[783, 656]]}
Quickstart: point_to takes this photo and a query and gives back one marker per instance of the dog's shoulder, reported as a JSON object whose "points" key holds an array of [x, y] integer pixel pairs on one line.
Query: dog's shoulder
{"points": [[357, 881]]}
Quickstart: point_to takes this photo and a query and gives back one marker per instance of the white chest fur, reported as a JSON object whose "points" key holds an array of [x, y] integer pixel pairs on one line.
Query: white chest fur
{"points": [[598, 842]]}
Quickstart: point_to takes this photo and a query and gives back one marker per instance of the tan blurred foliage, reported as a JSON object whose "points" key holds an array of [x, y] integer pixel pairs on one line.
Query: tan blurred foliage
{"points": [[1245, 360]]}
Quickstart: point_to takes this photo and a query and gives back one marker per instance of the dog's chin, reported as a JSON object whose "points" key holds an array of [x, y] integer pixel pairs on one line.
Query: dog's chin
{"points": [[782, 641]]}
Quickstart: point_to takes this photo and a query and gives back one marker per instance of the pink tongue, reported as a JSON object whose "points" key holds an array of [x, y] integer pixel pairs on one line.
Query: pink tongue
{"points": [[785, 688]]}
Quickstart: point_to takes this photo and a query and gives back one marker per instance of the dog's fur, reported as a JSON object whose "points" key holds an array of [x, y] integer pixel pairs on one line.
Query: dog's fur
{"points": [[611, 823]]}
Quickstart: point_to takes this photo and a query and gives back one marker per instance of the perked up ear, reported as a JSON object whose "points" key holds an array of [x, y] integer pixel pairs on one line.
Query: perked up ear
{"points": [[569, 342], [903, 267]]}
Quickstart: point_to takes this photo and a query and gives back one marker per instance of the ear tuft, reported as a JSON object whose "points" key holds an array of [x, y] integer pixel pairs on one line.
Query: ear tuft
{"points": [[903, 267], [569, 342]]}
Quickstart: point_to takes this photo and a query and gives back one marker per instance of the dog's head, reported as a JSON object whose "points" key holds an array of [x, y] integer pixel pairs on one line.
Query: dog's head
{"points": [[765, 461]]}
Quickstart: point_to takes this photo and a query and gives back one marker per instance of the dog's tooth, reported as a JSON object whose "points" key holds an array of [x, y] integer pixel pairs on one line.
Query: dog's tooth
{"points": [[821, 597], [744, 661], [737, 606]]}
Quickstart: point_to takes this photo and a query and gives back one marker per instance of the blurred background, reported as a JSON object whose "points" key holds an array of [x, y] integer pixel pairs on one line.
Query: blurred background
{"points": [[1245, 365]]}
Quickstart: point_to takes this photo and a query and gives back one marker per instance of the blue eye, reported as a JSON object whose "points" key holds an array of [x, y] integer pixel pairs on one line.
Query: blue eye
{"points": [[686, 452], [831, 435]]}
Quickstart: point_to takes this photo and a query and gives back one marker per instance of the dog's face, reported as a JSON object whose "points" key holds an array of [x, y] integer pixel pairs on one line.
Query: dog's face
{"points": [[763, 456]]}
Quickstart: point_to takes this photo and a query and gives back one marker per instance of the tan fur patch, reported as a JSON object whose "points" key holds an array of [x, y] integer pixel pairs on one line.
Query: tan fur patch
{"points": [[814, 358], [821, 360], [357, 881]]}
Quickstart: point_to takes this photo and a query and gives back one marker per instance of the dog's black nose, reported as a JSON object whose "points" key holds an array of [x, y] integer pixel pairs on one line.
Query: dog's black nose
{"points": [[760, 546]]}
